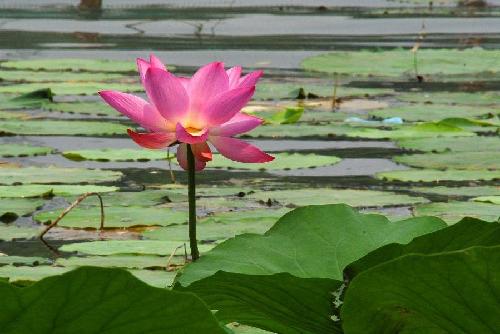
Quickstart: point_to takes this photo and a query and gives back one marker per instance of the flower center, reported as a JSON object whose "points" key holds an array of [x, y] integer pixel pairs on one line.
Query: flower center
{"points": [[195, 131]]}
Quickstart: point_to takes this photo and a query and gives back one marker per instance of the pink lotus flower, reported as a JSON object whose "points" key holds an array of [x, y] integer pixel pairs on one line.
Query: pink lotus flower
{"points": [[205, 108]]}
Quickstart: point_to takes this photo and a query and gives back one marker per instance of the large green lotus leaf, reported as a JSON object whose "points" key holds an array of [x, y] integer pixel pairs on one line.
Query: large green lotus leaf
{"points": [[43, 190], [476, 98], [466, 233], [272, 91], [22, 260], [487, 199], [70, 128], [280, 303], [451, 212], [455, 144], [31, 76], [11, 232], [22, 150], [401, 62], [353, 197], [75, 88], [459, 191], [452, 292], [453, 160], [281, 161], [116, 261], [87, 108], [117, 154], [142, 247], [11, 208], [71, 64], [433, 175], [39, 175], [221, 226], [88, 301], [433, 112], [115, 217], [313, 241], [423, 130]]}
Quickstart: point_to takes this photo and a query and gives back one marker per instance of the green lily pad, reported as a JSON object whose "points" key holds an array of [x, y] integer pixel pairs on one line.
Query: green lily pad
{"points": [[70, 64], [455, 144], [25, 274], [115, 217], [61, 128], [115, 261], [30, 100], [433, 112], [452, 212], [221, 226], [452, 292], [22, 150], [466, 233], [93, 306], [287, 116], [86, 108], [23, 260], [476, 98], [313, 241], [412, 131], [12, 208], [453, 160], [459, 191], [298, 130], [116, 247], [280, 303], [400, 62], [42, 190], [356, 198], [487, 199], [432, 175], [117, 154], [281, 161], [157, 278], [76, 88], [31, 76], [11, 115], [272, 91], [11, 232], [39, 175], [473, 125], [147, 198]]}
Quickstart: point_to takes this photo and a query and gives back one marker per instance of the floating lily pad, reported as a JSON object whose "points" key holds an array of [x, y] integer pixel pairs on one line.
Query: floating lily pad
{"points": [[30, 100], [459, 191], [31, 76], [272, 91], [22, 274], [412, 131], [11, 115], [287, 116], [116, 261], [476, 98], [281, 161], [76, 88], [87, 108], [400, 62], [23, 260], [89, 300], [10, 232], [157, 278], [444, 292], [11, 208], [147, 198], [453, 160], [221, 226], [41, 190], [70, 64], [487, 199], [22, 150], [314, 241], [432, 175], [460, 144], [433, 112], [452, 212], [117, 154], [115, 247], [61, 128], [356, 198], [298, 130], [115, 217], [44, 175]]}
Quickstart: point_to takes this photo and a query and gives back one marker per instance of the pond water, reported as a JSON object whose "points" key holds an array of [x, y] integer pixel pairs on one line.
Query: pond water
{"points": [[341, 142]]}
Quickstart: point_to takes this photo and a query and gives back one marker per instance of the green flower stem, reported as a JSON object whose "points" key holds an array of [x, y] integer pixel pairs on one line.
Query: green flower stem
{"points": [[193, 243]]}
